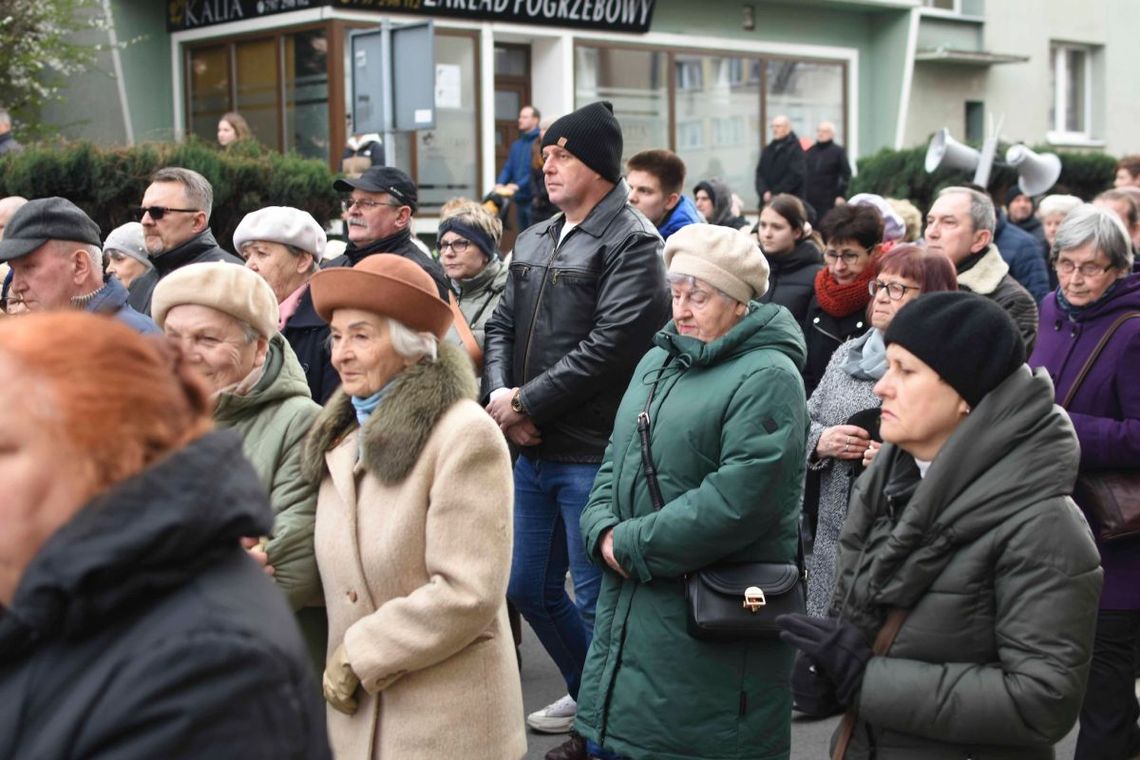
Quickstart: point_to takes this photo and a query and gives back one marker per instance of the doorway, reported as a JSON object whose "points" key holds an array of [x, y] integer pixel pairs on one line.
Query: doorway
{"points": [[512, 92]]}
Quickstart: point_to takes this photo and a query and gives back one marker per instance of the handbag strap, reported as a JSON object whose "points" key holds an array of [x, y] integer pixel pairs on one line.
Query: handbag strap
{"points": [[1104, 339], [469, 343], [643, 423], [882, 645]]}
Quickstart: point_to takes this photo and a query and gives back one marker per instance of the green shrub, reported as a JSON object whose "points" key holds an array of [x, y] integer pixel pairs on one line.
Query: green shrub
{"points": [[901, 174], [108, 182]]}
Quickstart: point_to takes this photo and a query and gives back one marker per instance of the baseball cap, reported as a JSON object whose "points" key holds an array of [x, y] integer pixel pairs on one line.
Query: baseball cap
{"points": [[383, 179]]}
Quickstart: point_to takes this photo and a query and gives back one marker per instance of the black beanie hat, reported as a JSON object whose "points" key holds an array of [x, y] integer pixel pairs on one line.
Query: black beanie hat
{"points": [[970, 341], [1015, 191], [593, 136]]}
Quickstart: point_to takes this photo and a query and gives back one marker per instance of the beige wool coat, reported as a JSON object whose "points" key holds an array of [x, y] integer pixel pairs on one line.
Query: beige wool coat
{"points": [[413, 542]]}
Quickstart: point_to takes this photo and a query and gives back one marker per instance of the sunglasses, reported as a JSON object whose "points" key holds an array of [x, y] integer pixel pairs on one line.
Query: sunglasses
{"points": [[157, 212]]}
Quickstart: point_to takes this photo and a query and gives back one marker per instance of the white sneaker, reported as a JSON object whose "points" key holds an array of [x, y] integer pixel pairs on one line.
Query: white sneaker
{"points": [[557, 718]]}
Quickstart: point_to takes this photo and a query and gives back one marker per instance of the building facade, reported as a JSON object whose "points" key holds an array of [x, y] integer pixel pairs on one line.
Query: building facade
{"points": [[703, 77]]}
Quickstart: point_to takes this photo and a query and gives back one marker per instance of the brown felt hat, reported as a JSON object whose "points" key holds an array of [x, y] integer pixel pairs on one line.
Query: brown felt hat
{"points": [[383, 284]]}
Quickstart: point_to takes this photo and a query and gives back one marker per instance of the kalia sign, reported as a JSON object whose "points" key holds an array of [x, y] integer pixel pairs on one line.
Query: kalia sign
{"points": [[612, 15]]}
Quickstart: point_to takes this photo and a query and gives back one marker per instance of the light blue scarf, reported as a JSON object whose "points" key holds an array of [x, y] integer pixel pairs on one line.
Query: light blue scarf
{"points": [[364, 408], [866, 356]]}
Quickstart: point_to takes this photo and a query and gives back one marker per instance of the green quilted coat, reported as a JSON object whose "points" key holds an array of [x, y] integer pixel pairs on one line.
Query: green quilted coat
{"points": [[728, 432]]}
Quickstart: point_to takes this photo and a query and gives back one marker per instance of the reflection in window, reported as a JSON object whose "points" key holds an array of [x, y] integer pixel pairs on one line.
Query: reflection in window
{"points": [[307, 94], [807, 92], [719, 112], [445, 156], [257, 87], [209, 70], [636, 82]]}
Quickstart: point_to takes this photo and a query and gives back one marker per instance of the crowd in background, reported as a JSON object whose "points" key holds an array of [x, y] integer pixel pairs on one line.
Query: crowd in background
{"points": [[417, 446]]}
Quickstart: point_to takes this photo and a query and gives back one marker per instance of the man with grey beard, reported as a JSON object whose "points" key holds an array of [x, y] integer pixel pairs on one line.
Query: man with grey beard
{"points": [[378, 218]]}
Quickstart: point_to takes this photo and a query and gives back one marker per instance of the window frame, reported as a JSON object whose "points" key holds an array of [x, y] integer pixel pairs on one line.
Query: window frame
{"points": [[1058, 61]]}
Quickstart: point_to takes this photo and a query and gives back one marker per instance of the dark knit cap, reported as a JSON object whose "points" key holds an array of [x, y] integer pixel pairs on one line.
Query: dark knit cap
{"points": [[970, 341], [593, 136], [1013, 192]]}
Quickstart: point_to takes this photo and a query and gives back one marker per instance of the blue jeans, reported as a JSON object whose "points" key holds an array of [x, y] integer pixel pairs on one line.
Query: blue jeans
{"points": [[549, 498], [524, 212]]}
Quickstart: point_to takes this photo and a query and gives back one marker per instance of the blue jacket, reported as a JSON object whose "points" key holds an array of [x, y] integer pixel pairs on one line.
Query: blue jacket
{"points": [[682, 215], [1023, 254], [112, 300], [517, 168]]}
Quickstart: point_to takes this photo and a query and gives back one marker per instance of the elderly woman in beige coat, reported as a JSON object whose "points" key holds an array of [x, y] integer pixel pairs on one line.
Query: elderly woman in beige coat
{"points": [[413, 535]]}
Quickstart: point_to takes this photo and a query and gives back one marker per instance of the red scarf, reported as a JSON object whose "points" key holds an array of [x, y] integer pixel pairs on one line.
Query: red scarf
{"points": [[842, 300]]}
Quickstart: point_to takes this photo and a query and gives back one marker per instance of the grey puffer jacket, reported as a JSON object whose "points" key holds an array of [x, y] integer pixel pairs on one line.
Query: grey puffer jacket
{"points": [[1000, 575]]}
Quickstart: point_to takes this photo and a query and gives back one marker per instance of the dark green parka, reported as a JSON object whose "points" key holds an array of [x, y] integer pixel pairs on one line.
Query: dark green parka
{"points": [[999, 571], [729, 427]]}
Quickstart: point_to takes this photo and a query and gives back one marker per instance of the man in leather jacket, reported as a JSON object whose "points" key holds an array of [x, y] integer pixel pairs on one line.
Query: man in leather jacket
{"points": [[586, 294], [175, 216]]}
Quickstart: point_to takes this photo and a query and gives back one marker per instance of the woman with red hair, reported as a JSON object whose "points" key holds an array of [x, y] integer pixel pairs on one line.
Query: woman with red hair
{"points": [[132, 623]]}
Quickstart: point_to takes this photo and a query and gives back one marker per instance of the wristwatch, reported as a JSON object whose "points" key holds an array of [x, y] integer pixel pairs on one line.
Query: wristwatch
{"points": [[516, 402]]}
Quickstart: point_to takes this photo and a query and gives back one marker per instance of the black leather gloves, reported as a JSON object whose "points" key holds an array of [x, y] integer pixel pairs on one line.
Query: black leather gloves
{"points": [[835, 647]]}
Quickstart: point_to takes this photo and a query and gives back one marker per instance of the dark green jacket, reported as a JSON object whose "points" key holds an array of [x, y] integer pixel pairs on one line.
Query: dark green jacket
{"points": [[1001, 577], [729, 427]]}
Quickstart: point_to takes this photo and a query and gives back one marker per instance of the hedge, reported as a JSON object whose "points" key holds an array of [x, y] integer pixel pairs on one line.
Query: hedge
{"points": [[108, 182], [901, 174]]}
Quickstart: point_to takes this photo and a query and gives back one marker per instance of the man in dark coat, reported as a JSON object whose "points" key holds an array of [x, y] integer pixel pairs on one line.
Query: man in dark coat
{"points": [[781, 168], [378, 217], [1023, 254], [142, 629], [585, 296], [175, 216], [828, 171], [515, 178], [1021, 210], [56, 257]]}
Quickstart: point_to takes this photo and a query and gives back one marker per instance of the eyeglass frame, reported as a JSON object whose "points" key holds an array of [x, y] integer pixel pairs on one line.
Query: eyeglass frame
{"points": [[1067, 268], [454, 245], [138, 212], [848, 257], [873, 287], [366, 204]]}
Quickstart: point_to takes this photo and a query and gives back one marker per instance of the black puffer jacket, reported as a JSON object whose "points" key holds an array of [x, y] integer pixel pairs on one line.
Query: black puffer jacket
{"points": [[202, 247], [791, 279], [142, 630], [574, 321], [823, 334], [828, 172], [782, 168]]}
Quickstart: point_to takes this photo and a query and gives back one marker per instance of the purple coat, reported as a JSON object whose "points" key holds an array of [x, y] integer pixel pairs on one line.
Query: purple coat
{"points": [[1105, 411]]}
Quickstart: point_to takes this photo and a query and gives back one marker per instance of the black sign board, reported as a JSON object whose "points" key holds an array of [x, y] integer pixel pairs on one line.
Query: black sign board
{"points": [[611, 15]]}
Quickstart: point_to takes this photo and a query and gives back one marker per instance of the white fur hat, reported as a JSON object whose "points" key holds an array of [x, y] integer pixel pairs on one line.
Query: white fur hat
{"points": [[281, 224]]}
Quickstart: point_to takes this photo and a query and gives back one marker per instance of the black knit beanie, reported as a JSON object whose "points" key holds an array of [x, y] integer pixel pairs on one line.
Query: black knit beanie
{"points": [[593, 136], [970, 341]]}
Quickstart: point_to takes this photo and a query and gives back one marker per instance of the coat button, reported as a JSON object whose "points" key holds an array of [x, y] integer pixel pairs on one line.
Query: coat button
{"points": [[352, 596]]}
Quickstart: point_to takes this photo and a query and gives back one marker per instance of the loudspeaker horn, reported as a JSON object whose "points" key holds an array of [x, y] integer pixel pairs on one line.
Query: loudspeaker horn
{"points": [[944, 150], [1036, 172]]}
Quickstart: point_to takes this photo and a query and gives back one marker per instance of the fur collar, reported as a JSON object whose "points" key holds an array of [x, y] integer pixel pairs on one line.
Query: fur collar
{"points": [[397, 431], [984, 277]]}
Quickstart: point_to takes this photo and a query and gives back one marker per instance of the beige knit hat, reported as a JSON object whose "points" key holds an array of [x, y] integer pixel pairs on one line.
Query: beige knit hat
{"points": [[228, 288], [725, 258]]}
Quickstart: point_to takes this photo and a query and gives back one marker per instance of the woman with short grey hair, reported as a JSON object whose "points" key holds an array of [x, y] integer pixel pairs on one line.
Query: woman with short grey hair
{"points": [[1093, 259]]}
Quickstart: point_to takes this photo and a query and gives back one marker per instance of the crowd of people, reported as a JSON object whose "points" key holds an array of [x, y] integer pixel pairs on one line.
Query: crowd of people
{"points": [[242, 479]]}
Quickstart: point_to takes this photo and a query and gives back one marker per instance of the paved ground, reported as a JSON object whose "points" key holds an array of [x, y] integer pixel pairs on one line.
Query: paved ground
{"points": [[542, 684]]}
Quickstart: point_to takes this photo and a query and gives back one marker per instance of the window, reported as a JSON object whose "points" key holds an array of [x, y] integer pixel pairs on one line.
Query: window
{"points": [[1070, 115], [943, 5], [446, 163], [280, 84], [711, 116], [975, 121]]}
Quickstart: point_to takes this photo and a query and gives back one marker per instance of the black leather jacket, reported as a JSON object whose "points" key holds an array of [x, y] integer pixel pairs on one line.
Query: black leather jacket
{"points": [[573, 322]]}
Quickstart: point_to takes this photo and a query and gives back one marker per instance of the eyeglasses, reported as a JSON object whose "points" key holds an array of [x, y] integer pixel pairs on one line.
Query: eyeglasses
{"points": [[895, 290], [1088, 269], [459, 245], [366, 205], [849, 257], [157, 212]]}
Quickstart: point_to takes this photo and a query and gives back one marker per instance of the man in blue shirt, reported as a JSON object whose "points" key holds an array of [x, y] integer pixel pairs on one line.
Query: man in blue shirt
{"points": [[514, 179]]}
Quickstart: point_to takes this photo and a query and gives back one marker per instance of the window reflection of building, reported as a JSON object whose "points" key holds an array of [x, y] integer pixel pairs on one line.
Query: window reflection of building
{"points": [[716, 104]]}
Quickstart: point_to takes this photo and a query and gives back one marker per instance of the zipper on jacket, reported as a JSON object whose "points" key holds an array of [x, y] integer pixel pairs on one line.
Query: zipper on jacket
{"points": [[538, 303], [743, 703]]}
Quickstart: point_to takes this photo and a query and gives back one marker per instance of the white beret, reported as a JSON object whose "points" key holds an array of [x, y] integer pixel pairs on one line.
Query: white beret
{"points": [[725, 258], [228, 288], [282, 224]]}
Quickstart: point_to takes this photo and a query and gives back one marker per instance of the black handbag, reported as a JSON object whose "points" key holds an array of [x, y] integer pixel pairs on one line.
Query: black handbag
{"points": [[1111, 498], [731, 600]]}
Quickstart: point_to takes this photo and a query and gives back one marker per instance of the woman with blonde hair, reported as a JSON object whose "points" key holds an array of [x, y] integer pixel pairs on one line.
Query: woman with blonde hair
{"points": [[231, 128]]}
